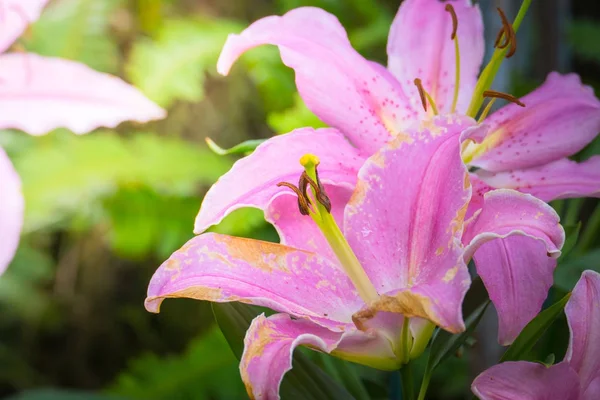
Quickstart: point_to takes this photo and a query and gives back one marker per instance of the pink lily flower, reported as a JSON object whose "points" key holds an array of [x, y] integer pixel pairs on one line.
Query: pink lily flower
{"points": [[516, 147], [371, 256], [577, 377], [39, 94]]}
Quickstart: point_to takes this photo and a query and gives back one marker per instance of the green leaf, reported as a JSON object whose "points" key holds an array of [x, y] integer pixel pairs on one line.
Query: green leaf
{"points": [[569, 271], [173, 66], [22, 285], [445, 344], [77, 30], [243, 148], [571, 234], [207, 370], [67, 175], [583, 35], [305, 381], [144, 222], [298, 116], [533, 331], [61, 394]]}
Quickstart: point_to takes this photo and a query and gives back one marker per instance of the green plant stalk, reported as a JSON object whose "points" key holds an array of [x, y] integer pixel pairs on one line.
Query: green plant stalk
{"points": [[424, 386], [572, 213], [591, 232], [408, 390], [489, 73]]}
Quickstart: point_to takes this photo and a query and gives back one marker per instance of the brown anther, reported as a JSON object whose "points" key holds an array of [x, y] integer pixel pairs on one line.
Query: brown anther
{"points": [[450, 9], [302, 202], [499, 38], [505, 96], [419, 86], [510, 37], [318, 189]]}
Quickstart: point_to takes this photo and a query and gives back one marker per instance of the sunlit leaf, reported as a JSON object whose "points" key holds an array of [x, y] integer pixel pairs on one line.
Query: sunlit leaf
{"points": [[77, 30], [298, 116], [66, 174], [173, 66], [243, 148]]}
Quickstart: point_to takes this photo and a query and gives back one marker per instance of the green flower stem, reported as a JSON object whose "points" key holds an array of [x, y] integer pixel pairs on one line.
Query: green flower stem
{"points": [[591, 231], [408, 390]]}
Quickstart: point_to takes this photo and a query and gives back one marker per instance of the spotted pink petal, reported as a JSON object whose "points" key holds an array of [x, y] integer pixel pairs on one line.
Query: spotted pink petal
{"points": [[527, 381], [15, 17], [11, 211], [583, 315], [515, 239], [268, 348], [62, 93], [419, 46], [479, 189], [300, 231], [405, 220], [252, 181], [222, 268], [270, 343], [556, 180], [560, 118], [342, 88]]}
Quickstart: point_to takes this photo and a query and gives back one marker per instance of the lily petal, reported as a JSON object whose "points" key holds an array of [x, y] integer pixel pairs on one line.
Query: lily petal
{"points": [[583, 315], [252, 181], [516, 268], [270, 343], [300, 231], [68, 94], [527, 381], [560, 118], [419, 46], [11, 210], [342, 88], [517, 275], [479, 188], [593, 390], [556, 180], [404, 224], [15, 17], [222, 268], [268, 349]]}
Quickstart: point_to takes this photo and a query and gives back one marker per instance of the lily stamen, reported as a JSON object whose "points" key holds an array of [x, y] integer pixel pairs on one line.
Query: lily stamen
{"points": [[425, 97], [510, 37], [317, 187], [449, 8], [505, 96], [302, 203], [318, 206]]}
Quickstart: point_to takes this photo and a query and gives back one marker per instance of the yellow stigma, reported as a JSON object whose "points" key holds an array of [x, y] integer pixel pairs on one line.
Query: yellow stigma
{"points": [[309, 161], [318, 206]]}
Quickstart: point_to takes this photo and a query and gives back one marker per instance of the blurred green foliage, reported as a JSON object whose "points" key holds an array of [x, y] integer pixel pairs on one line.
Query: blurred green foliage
{"points": [[104, 210]]}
